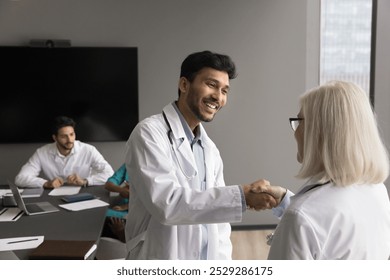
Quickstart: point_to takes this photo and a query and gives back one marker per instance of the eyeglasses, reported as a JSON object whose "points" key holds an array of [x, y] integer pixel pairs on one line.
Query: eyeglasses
{"points": [[294, 122]]}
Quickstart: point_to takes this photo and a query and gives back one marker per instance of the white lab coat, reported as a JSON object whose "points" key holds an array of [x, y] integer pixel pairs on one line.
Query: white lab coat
{"points": [[84, 160], [332, 222], [167, 206]]}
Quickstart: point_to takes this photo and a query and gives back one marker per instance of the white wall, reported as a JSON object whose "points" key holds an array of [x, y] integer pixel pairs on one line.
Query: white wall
{"points": [[382, 73], [274, 44]]}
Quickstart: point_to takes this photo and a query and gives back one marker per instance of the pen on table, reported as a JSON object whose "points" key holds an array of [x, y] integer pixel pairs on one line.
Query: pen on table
{"points": [[19, 241]]}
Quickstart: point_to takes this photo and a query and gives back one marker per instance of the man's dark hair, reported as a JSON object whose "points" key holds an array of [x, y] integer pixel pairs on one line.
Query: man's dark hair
{"points": [[60, 122], [199, 60]]}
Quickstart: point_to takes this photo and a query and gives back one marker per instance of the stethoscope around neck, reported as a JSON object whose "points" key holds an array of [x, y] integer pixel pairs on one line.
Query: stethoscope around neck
{"points": [[188, 174], [312, 187]]}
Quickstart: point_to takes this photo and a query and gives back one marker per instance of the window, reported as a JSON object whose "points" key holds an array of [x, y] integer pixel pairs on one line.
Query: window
{"points": [[346, 41]]}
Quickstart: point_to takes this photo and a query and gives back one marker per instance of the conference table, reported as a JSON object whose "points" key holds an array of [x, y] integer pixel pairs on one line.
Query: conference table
{"points": [[62, 225]]}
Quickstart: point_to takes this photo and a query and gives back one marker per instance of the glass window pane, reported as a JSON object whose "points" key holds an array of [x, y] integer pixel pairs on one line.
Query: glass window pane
{"points": [[346, 41]]}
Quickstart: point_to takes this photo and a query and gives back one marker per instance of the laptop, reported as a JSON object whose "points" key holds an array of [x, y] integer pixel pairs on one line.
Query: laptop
{"points": [[31, 208], [31, 192]]}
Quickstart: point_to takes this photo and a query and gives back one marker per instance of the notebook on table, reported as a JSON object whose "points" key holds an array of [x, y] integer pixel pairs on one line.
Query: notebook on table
{"points": [[31, 208]]}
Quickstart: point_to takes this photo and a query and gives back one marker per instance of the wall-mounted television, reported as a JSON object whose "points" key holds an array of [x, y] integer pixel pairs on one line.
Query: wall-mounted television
{"points": [[96, 86]]}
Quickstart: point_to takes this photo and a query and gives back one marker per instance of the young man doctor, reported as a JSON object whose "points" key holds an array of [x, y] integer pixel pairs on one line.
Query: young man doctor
{"points": [[180, 207]]}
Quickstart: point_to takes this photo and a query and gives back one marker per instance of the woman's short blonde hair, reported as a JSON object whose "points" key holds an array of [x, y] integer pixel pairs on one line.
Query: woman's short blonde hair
{"points": [[341, 138]]}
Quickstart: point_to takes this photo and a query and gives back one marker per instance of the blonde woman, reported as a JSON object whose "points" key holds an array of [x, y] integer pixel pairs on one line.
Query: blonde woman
{"points": [[343, 211]]}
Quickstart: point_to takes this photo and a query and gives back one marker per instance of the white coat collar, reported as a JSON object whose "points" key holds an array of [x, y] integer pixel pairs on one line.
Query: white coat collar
{"points": [[312, 183], [176, 126]]}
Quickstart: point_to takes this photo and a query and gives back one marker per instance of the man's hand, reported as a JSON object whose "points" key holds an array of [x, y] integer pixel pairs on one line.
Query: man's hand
{"points": [[258, 200], [76, 180], [260, 195], [55, 183], [276, 191]]}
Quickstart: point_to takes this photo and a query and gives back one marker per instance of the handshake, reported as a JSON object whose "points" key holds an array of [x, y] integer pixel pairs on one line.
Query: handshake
{"points": [[260, 195]]}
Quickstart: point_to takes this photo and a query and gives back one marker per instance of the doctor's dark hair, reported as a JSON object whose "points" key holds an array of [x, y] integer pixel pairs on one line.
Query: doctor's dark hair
{"points": [[199, 60], [60, 122]]}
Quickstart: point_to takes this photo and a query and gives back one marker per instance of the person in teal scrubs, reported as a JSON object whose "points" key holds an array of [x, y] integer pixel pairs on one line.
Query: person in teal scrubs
{"points": [[116, 216], [118, 183]]}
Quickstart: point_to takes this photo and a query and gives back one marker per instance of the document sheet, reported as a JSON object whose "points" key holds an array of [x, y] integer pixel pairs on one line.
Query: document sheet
{"points": [[65, 190], [86, 204]]}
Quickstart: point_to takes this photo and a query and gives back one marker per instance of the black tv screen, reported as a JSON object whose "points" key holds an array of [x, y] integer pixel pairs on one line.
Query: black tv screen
{"points": [[96, 86]]}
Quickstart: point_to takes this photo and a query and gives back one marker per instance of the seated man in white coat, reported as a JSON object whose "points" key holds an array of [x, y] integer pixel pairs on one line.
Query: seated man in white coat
{"points": [[180, 207], [66, 161]]}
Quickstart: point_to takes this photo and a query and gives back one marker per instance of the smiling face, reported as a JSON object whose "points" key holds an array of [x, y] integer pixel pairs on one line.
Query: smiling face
{"points": [[202, 98]]}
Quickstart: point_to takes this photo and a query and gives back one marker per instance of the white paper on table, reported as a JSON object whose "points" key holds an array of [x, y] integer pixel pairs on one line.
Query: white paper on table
{"points": [[11, 214], [20, 243], [4, 192], [87, 204], [65, 190]]}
